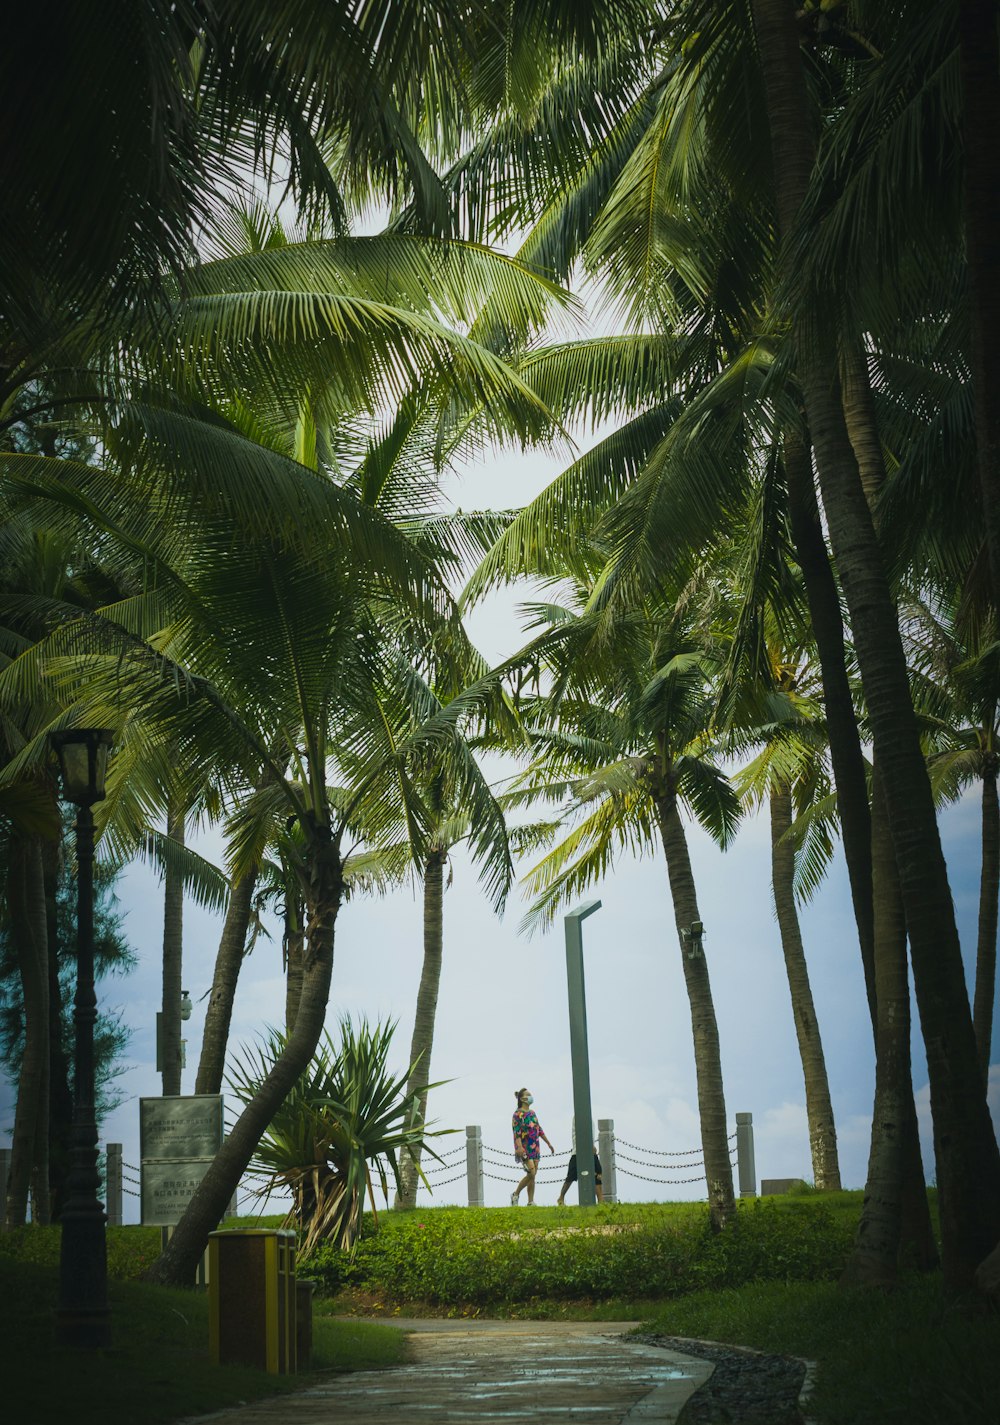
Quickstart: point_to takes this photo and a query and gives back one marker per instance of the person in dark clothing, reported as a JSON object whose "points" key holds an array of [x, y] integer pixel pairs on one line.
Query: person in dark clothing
{"points": [[572, 1174]]}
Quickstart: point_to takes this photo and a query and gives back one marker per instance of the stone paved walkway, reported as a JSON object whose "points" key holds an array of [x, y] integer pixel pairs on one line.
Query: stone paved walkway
{"points": [[475, 1372]]}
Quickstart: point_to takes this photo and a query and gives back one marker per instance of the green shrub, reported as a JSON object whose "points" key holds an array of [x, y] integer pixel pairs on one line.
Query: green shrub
{"points": [[453, 1257], [131, 1250]]}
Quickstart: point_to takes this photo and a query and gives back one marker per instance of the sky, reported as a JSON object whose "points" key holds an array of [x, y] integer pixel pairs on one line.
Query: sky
{"points": [[502, 1019]]}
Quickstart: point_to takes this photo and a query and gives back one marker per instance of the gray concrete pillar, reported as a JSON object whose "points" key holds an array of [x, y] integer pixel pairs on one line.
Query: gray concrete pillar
{"points": [[113, 1183], [745, 1165], [606, 1153], [474, 1164]]}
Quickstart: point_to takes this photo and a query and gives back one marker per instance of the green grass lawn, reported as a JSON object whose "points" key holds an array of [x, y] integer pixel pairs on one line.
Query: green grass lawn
{"points": [[906, 1358], [770, 1283], [158, 1368]]}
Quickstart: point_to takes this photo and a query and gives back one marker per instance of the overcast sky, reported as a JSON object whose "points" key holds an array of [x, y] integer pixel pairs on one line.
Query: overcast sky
{"points": [[502, 1014]]}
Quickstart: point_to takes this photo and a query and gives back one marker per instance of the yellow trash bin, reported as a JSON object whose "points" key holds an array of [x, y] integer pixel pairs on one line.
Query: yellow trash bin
{"points": [[251, 1299]]}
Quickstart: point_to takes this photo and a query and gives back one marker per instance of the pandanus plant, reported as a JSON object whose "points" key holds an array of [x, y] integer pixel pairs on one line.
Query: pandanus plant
{"points": [[348, 1116]]}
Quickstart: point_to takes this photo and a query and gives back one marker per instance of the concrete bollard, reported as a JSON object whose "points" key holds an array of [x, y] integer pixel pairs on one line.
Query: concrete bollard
{"points": [[606, 1153], [113, 1183], [474, 1164], [745, 1164]]}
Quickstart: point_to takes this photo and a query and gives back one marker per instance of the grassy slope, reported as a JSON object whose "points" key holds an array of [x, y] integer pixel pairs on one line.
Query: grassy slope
{"points": [[883, 1360], [158, 1368], [902, 1359]]}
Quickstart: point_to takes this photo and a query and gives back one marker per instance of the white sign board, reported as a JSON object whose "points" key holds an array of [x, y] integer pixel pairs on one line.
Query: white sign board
{"points": [[180, 1126], [167, 1188], [179, 1135]]}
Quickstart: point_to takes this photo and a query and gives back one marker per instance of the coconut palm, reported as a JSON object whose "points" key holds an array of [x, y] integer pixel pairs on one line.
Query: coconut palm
{"points": [[624, 736], [953, 652], [790, 776], [452, 817], [296, 528], [968, 1153]]}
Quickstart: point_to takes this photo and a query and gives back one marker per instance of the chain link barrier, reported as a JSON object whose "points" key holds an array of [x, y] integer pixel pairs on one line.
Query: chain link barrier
{"points": [[664, 1167], [459, 1177], [498, 1158]]}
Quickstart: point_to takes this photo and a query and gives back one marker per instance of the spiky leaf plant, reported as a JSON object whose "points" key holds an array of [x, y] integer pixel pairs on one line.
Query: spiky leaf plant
{"points": [[347, 1116]]}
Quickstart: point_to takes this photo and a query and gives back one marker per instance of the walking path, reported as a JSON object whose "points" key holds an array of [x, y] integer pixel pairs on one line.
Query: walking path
{"points": [[475, 1372]]}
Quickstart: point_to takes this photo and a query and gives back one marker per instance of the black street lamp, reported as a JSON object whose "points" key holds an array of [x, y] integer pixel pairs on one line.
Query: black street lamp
{"points": [[83, 1317]]}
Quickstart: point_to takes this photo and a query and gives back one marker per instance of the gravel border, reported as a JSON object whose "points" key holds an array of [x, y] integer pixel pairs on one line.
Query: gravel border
{"points": [[747, 1387]]}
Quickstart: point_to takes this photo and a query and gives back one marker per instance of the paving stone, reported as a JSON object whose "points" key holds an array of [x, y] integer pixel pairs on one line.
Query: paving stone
{"points": [[477, 1372]]}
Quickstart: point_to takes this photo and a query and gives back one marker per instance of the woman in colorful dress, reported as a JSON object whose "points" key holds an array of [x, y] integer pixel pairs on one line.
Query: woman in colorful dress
{"points": [[527, 1133]]}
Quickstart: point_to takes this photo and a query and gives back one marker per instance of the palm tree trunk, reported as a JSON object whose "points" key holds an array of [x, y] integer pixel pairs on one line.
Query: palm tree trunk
{"points": [[29, 1165], [228, 962], [846, 755], [705, 1030], [968, 1159], [422, 1043], [986, 950], [862, 422], [295, 950], [173, 954], [894, 1181], [914, 1233], [176, 1266], [979, 53], [819, 1109]]}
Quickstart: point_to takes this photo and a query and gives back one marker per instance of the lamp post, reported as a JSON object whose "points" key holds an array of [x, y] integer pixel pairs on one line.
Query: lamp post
{"points": [[83, 1317], [579, 1053]]}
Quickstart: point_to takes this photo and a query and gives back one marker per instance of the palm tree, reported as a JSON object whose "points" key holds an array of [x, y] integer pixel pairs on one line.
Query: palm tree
{"points": [[979, 54], [625, 736], [173, 939], [451, 819], [326, 583], [790, 776], [953, 653], [967, 1153]]}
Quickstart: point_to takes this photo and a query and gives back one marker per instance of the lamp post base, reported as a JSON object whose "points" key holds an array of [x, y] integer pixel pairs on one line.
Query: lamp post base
{"points": [[87, 1330], [83, 1317]]}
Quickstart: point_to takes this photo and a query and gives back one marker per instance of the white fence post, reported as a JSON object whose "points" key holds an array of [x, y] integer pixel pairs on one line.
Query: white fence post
{"points": [[474, 1164], [745, 1164], [113, 1183], [606, 1153]]}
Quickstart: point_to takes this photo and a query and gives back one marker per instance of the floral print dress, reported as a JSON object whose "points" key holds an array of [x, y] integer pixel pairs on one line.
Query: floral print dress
{"points": [[527, 1132]]}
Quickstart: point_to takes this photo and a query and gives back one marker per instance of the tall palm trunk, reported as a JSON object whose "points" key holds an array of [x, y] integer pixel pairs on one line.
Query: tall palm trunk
{"points": [[989, 890], [819, 1109], [912, 1231], [846, 755], [422, 1043], [979, 53], [173, 954], [228, 962], [29, 1165], [895, 1204], [294, 946], [968, 1160], [176, 1266], [705, 1030]]}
